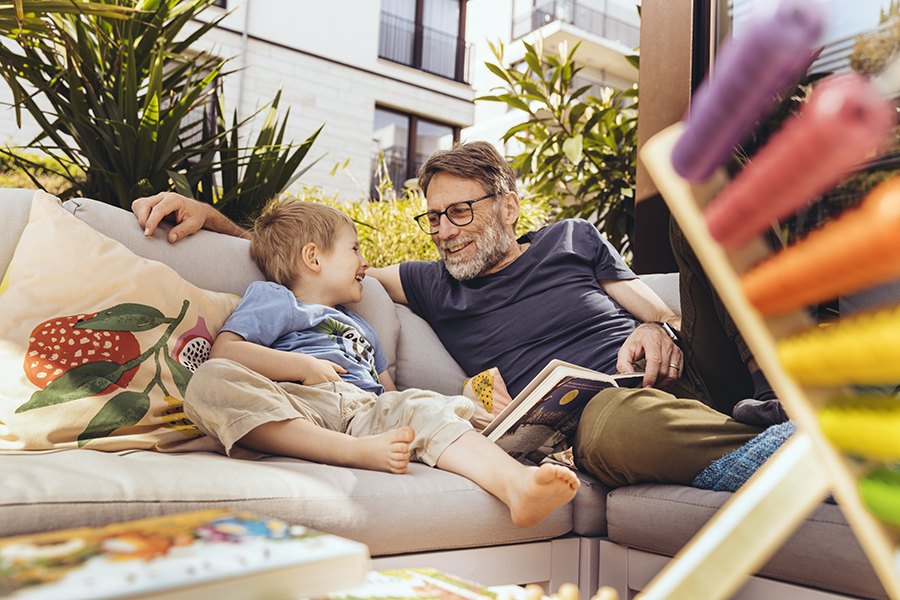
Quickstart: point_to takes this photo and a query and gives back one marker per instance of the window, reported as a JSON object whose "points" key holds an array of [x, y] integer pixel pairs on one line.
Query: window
{"points": [[425, 34], [406, 141]]}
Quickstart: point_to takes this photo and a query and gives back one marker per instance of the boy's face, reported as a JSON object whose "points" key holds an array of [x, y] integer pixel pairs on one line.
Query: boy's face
{"points": [[343, 268]]}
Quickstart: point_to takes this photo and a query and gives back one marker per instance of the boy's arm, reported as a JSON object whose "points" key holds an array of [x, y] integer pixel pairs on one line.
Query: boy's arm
{"points": [[277, 365], [384, 378], [389, 277]]}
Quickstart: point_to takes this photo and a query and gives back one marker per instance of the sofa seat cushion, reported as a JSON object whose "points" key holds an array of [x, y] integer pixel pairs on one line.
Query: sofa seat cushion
{"points": [[422, 510], [822, 553], [589, 507]]}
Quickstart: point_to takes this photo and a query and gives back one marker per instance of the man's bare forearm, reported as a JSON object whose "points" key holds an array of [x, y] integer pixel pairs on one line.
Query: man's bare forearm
{"points": [[216, 221]]}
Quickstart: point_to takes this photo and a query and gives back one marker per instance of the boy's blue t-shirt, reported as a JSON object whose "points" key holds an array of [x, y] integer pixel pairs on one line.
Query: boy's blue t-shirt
{"points": [[270, 315], [548, 303]]}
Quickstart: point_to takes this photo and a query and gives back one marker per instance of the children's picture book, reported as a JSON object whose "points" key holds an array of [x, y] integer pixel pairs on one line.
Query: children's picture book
{"points": [[419, 584], [544, 416], [220, 554]]}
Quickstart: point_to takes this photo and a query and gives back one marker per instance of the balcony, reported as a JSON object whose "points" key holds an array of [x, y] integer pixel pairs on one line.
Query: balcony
{"points": [[412, 44], [582, 17]]}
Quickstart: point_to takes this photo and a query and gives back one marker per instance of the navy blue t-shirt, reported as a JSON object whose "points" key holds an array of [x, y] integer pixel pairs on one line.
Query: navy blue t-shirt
{"points": [[546, 304]]}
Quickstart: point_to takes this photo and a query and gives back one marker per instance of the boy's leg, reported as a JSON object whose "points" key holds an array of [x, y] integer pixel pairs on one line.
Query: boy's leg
{"points": [[301, 439], [445, 438], [531, 493], [437, 420], [245, 410]]}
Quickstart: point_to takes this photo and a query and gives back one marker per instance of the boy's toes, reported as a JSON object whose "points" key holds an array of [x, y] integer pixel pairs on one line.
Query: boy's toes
{"points": [[406, 434]]}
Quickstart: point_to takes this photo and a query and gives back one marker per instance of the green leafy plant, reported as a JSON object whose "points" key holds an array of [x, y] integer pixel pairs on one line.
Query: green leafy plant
{"points": [[26, 21], [119, 91], [248, 177], [389, 235], [579, 151], [42, 172]]}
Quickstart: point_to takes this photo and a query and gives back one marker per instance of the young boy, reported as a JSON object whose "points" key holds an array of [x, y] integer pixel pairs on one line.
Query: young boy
{"points": [[294, 373]]}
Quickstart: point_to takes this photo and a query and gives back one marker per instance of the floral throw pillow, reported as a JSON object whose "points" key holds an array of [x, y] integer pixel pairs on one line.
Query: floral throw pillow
{"points": [[97, 344]]}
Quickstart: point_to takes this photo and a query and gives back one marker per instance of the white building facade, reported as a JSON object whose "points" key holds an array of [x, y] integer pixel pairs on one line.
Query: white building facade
{"points": [[391, 77]]}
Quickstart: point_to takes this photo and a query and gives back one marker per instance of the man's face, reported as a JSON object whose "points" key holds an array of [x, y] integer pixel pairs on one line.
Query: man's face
{"points": [[475, 249]]}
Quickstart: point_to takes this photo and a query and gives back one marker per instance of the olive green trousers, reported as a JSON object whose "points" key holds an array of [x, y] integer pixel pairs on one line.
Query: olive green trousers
{"points": [[628, 436]]}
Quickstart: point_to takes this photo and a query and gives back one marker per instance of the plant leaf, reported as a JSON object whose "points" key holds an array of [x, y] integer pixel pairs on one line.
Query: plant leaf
{"points": [[125, 317], [180, 374], [123, 410], [82, 381]]}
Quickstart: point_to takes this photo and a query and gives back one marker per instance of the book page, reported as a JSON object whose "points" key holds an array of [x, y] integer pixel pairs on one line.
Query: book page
{"points": [[551, 420]]}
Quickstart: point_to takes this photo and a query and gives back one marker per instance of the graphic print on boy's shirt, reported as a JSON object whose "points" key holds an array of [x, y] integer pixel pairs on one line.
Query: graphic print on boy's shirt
{"points": [[270, 315]]}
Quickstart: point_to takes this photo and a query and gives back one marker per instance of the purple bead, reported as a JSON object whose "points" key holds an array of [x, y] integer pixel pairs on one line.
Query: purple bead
{"points": [[749, 72]]}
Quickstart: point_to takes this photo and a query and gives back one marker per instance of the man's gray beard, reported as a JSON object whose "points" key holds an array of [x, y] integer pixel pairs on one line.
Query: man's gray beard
{"points": [[492, 245]]}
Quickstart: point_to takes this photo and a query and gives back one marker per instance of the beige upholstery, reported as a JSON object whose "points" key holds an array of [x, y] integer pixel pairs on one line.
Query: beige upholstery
{"points": [[423, 510]]}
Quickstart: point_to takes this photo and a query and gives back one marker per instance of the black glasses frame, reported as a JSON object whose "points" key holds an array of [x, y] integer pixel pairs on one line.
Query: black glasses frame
{"points": [[425, 225]]}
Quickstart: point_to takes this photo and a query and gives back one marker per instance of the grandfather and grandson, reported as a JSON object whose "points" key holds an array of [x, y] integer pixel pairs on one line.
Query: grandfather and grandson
{"points": [[562, 292], [295, 373]]}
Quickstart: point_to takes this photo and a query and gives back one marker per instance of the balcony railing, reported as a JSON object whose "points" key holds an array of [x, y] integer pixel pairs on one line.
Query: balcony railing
{"points": [[569, 11], [430, 50]]}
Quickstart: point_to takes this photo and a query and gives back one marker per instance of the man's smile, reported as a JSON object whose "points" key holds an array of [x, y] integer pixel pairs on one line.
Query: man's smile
{"points": [[453, 249]]}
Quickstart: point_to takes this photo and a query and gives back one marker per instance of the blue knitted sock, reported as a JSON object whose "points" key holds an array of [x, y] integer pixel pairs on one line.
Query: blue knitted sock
{"points": [[730, 472]]}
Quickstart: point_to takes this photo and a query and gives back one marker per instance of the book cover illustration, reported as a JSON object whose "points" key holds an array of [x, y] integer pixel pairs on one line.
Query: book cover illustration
{"points": [[415, 584], [553, 419], [151, 556]]}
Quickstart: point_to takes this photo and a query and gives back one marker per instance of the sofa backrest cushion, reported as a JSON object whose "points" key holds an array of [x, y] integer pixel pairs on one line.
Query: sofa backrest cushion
{"points": [[422, 361], [15, 206], [211, 261], [222, 263]]}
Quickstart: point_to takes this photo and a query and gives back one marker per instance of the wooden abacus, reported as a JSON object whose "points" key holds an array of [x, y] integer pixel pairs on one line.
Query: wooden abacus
{"points": [[808, 367]]}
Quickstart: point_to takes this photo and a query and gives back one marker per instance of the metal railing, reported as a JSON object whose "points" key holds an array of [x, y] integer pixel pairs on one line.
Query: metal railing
{"points": [[414, 45], [569, 11]]}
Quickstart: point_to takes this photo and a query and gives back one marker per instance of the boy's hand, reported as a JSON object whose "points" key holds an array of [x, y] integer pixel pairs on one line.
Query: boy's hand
{"points": [[318, 370]]}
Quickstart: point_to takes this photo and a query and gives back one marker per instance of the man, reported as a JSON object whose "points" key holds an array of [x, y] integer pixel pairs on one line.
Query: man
{"points": [[562, 292]]}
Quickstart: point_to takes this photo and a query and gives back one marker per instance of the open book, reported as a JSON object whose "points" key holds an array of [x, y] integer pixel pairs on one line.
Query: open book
{"points": [[544, 416]]}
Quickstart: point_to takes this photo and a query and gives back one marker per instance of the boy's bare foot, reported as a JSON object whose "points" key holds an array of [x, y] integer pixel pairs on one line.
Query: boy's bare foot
{"points": [[383, 452], [538, 491]]}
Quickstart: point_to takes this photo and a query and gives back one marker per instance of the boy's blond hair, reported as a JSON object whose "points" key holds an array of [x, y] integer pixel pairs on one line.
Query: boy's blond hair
{"points": [[284, 227]]}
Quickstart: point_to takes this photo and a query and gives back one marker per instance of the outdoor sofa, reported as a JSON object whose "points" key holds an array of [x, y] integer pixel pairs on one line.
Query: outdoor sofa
{"points": [[426, 517]]}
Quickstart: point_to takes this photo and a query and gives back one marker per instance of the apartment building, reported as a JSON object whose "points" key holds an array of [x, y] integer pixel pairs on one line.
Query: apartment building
{"points": [[396, 78], [608, 31]]}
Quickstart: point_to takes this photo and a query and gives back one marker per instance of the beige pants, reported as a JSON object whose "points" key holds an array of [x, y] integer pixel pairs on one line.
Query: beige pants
{"points": [[227, 400]]}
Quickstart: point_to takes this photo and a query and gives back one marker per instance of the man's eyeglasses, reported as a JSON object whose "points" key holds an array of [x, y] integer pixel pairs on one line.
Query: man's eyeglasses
{"points": [[458, 213]]}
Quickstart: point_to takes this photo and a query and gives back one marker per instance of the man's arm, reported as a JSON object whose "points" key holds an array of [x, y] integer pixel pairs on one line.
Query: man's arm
{"points": [[389, 277], [189, 215], [649, 340]]}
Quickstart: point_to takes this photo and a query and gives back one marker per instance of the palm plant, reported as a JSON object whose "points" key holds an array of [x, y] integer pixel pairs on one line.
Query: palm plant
{"points": [[119, 91], [578, 152]]}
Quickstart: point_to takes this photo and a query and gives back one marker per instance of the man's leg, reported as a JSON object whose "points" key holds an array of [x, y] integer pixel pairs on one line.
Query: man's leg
{"points": [[715, 354], [628, 436]]}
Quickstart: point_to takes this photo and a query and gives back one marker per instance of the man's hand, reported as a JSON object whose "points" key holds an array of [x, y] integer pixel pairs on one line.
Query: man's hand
{"points": [[664, 358], [189, 215]]}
